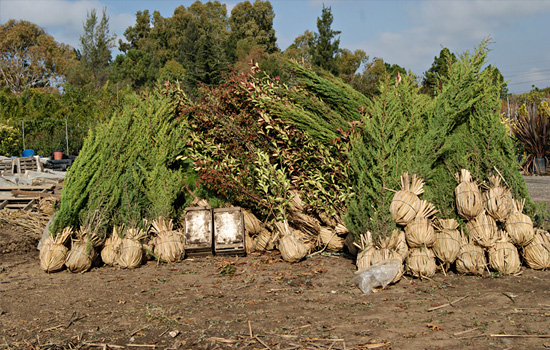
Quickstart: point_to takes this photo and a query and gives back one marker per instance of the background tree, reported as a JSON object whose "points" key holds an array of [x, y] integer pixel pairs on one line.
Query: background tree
{"points": [[251, 26], [31, 58], [300, 50], [431, 84], [350, 62], [324, 48], [96, 43]]}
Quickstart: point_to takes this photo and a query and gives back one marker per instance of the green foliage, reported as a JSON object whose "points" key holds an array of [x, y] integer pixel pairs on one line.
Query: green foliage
{"points": [[10, 140], [405, 130], [381, 151], [249, 149], [128, 169]]}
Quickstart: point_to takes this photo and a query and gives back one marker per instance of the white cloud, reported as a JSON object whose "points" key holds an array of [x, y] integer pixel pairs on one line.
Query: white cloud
{"points": [[63, 19], [458, 25]]}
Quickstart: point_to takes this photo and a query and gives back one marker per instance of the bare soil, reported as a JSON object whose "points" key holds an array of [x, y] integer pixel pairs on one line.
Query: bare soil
{"points": [[260, 302]]}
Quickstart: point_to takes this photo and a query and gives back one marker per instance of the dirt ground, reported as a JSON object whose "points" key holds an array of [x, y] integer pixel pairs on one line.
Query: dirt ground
{"points": [[260, 302]]}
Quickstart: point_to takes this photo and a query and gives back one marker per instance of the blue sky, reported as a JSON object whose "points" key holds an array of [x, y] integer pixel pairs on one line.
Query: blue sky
{"points": [[409, 33]]}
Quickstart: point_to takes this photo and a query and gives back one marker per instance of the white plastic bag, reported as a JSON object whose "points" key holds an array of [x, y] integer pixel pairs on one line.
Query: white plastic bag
{"points": [[377, 275]]}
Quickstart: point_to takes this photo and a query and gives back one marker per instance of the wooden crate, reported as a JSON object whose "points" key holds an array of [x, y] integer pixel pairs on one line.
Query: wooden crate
{"points": [[198, 231], [229, 231], [26, 163]]}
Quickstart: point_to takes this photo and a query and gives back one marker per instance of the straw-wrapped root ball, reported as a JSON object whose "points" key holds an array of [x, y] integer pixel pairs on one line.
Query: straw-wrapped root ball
{"points": [[168, 243], [421, 263], [420, 231], [330, 240], [405, 203], [131, 250], [504, 256], [265, 240], [483, 230], [54, 252], [471, 258], [537, 253], [469, 201], [252, 224], [81, 256], [111, 248], [519, 226], [498, 200], [291, 247], [396, 242], [447, 241]]}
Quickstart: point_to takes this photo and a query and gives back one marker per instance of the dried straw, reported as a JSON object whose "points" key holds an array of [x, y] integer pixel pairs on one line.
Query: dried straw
{"points": [[307, 239], [292, 249], [365, 258], [131, 250], [447, 241], [252, 224], [469, 202], [305, 223], [328, 220], [405, 203], [504, 256], [498, 200], [421, 263], [537, 253], [111, 247], [329, 240], [420, 231], [483, 230], [471, 258], [519, 226], [168, 242], [54, 252]]}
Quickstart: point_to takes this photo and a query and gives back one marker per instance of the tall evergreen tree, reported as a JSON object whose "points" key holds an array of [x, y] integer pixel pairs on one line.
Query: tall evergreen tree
{"points": [[325, 49], [96, 43]]}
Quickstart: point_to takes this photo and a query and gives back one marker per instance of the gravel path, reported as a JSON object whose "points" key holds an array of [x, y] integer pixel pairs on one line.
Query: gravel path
{"points": [[539, 188]]}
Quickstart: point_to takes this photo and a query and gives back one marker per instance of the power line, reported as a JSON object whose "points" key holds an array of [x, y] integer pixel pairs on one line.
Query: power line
{"points": [[530, 82]]}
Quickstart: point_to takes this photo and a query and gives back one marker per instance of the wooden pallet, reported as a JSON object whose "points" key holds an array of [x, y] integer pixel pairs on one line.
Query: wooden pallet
{"points": [[23, 197], [229, 231], [27, 163]]}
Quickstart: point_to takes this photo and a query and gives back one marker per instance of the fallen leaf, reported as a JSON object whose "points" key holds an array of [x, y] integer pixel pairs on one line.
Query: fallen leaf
{"points": [[433, 327]]}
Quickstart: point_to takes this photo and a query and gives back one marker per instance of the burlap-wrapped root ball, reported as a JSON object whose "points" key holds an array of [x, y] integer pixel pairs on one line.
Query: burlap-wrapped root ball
{"points": [[483, 230], [537, 253], [471, 258], [420, 231], [111, 248], [469, 202], [168, 243], [447, 241], [131, 249], [405, 203], [421, 263], [504, 256], [54, 252], [498, 200], [520, 226], [291, 247]]}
